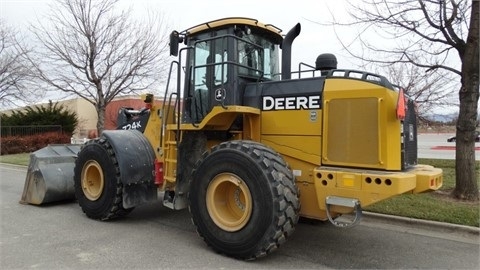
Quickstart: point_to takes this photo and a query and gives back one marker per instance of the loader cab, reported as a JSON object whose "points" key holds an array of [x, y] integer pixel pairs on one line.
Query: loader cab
{"points": [[221, 58]]}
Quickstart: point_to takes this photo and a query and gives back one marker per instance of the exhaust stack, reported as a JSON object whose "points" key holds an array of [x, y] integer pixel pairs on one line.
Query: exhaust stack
{"points": [[287, 51]]}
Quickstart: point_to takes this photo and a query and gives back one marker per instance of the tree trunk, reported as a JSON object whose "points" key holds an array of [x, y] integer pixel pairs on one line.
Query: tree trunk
{"points": [[466, 186], [100, 106], [101, 120]]}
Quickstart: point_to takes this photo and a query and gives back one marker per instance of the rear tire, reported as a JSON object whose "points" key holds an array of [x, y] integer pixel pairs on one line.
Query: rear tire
{"points": [[98, 187], [243, 199]]}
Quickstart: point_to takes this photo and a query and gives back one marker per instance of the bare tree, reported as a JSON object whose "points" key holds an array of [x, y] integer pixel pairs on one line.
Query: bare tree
{"points": [[16, 87], [432, 91], [433, 35], [97, 52]]}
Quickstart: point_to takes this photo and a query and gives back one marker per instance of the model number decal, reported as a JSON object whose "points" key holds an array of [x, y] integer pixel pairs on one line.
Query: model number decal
{"points": [[270, 103], [134, 125]]}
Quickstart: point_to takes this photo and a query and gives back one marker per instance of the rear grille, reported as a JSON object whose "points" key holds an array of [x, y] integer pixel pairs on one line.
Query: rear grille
{"points": [[409, 142]]}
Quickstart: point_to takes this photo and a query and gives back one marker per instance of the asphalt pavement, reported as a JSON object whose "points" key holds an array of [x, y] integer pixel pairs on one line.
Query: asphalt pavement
{"points": [[435, 145], [60, 236]]}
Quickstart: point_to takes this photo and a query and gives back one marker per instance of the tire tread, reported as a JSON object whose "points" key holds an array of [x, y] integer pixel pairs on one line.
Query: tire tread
{"points": [[116, 208], [286, 195]]}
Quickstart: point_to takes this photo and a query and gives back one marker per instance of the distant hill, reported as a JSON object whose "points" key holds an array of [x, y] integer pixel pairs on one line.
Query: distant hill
{"points": [[442, 118], [445, 118]]}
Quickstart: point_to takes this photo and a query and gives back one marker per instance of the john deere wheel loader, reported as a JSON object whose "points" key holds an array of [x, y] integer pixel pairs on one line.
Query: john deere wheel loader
{"points": [[248, 149]]}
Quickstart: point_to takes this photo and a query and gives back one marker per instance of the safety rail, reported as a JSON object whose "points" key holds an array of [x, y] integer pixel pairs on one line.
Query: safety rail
{"points": [[346, 73]]}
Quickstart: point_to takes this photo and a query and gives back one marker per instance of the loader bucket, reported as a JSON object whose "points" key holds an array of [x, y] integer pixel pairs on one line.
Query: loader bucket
{"points": [[50, 175]]}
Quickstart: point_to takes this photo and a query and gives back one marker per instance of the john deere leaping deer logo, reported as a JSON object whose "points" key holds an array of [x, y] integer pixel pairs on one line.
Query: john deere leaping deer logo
{"points": [[219, 94]]}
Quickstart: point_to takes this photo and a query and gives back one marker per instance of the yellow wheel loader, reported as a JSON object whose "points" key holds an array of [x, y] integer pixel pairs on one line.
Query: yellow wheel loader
{"points": [[248, 149]]}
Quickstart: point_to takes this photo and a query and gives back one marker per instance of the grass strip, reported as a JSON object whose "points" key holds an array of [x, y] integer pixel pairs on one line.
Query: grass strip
{"points": [[436, 206], [16, 159]]}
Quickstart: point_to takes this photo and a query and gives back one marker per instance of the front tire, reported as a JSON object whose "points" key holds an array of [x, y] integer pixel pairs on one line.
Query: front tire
{"points": [[243, 199], [98, 187]]}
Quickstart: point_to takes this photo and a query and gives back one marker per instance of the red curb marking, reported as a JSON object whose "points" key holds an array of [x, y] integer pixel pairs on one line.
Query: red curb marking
{"points": [[449, 148]]}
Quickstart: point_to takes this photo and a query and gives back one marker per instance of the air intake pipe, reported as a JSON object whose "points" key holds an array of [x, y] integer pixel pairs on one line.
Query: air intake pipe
{"points": [[287, 51]]}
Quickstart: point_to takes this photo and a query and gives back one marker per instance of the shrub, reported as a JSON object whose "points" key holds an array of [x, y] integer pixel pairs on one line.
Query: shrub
{"points": [[51, 114], [27, 144]]}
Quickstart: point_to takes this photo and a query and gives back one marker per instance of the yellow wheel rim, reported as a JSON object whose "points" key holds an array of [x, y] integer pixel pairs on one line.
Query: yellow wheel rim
{"points": [[229, 202], [92, 180]]}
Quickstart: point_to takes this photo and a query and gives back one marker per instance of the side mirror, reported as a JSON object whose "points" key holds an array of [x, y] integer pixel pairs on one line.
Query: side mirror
{"points": [[174, 41]]}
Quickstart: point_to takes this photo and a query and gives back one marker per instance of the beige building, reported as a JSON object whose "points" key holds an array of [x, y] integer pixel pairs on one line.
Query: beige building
{"points": [[87, 115]]}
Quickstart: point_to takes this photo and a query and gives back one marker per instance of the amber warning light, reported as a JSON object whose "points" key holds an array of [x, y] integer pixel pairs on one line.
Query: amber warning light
{"points": [[401, 109]]}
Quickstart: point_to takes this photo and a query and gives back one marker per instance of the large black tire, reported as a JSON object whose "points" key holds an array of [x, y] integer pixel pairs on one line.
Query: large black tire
{"points": [[243, 199], [98, 187]]}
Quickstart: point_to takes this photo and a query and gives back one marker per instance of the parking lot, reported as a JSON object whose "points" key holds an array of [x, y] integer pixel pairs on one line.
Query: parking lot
{"points": [[435, 145], [60, 236]]}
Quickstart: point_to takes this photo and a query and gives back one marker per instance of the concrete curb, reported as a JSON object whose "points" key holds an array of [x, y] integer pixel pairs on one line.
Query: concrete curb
{"points": [[15, 165], [420, 223]]}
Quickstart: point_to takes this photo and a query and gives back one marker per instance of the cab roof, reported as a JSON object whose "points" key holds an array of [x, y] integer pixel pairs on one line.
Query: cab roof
{"points": [[269, 28]]}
